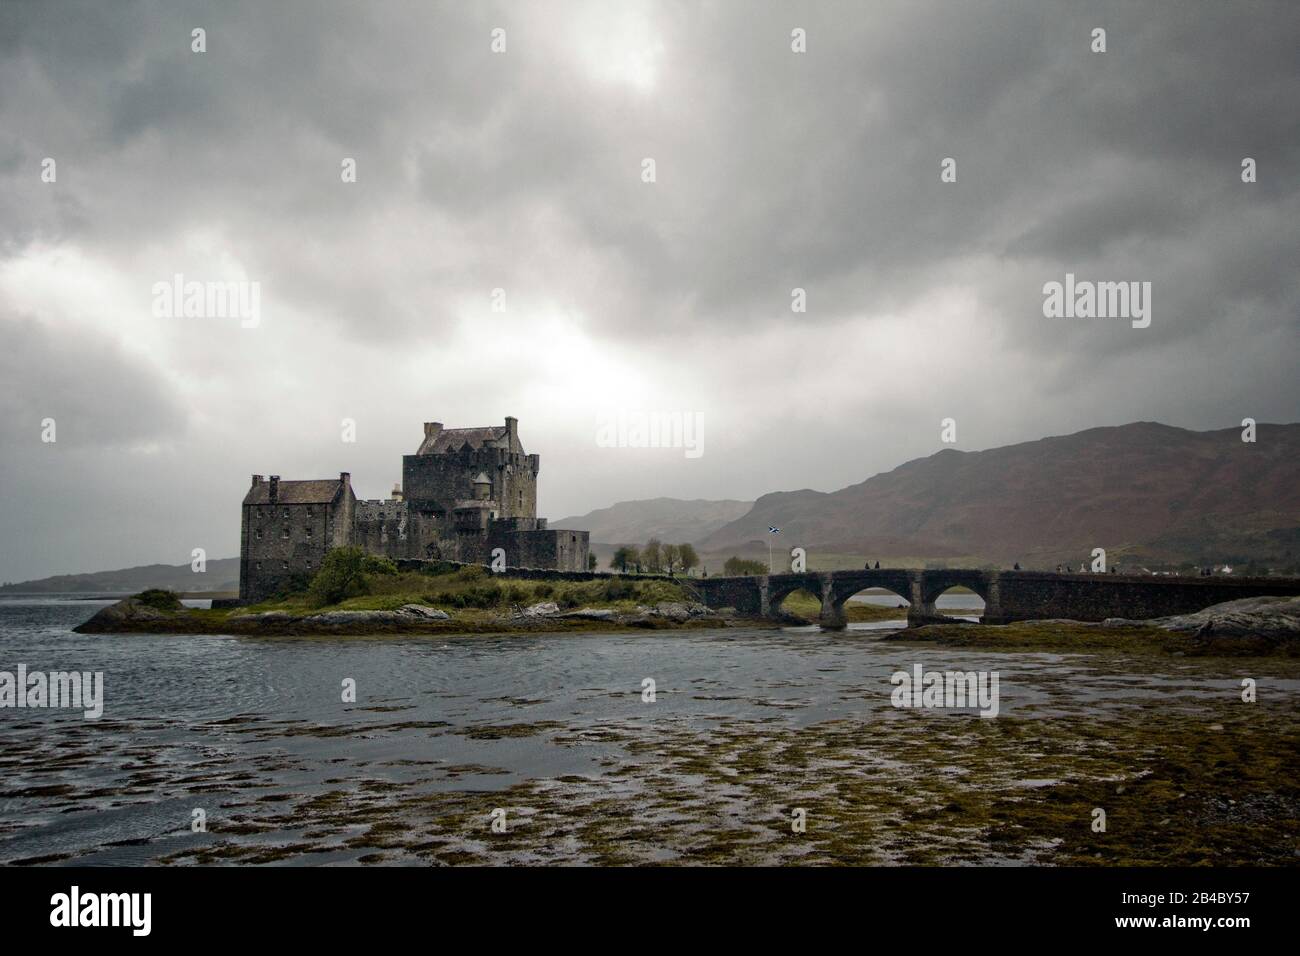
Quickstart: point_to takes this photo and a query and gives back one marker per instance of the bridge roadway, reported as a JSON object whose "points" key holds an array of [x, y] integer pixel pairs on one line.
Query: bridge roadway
{"points": [[1008, 595]]}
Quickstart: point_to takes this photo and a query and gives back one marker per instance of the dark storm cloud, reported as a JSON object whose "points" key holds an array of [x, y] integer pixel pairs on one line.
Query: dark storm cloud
{"points": [[775, 171], [98, 395]]}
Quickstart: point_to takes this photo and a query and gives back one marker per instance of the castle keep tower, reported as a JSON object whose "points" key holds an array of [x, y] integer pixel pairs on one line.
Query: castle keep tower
{"points": [[464, 493]]}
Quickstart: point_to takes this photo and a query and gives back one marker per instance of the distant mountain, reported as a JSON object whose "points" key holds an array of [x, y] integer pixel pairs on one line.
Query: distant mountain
{"points": [[1145, 492], [222, 574], [671, 520]]}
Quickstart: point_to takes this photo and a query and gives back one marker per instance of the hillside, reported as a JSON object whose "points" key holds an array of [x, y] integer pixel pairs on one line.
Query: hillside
{"points": [[222, 575], [669, 519], [1146, 492]]}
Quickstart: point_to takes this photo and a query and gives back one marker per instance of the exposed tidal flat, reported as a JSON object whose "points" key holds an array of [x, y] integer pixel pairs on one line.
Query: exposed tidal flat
{"points": [[748, 725]]}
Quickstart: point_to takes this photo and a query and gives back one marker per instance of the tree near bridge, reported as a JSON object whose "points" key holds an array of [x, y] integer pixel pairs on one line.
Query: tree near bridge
{"points": [[625, 556], [652, 556], [739, 567], [687, 557]]}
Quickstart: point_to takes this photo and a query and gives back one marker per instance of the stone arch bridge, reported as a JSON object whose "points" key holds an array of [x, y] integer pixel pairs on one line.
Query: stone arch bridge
{"points": [[1008, 595]]}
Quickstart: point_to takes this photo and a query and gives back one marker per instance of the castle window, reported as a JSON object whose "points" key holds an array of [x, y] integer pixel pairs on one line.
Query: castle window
{"points": [[286, 565], [309, 512], [285, 532], [286, 512], [259, 565], [521, 499], [258, 534], [309, 531]]}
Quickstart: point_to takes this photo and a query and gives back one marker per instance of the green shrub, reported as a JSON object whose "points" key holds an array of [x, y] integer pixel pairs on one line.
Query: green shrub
{"points": [[375, 564], [447, 598], [161, 599], [739, 567], [342, 575], [618, 589], [490, 595]]}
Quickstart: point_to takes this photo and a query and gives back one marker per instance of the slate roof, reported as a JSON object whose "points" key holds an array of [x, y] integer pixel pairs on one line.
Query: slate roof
{"points": [[452, 439], [313, 492]]}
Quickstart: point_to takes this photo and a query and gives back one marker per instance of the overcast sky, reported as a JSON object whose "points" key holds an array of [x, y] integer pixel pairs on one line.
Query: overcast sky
{"points": [[523, 171]]}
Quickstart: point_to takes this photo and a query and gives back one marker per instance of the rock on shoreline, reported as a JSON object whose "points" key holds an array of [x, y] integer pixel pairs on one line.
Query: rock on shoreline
{"points": [[406, 614], [1272, 620], [122, 616], [675, 611]]}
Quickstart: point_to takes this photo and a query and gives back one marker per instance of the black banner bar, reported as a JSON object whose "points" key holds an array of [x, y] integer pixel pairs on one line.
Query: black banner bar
{"points": [[332, 905]]}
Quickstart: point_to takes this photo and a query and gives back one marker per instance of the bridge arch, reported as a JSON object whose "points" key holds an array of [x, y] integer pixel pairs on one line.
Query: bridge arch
{"points": [[937, 581], [780, 587], [845, 584], [969, 602], [778, 599]]}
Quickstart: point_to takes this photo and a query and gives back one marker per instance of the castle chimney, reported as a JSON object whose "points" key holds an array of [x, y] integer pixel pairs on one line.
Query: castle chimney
{"points": [[512, 432], [346, 478], [257, 480], [275, 487], [431, 429]]}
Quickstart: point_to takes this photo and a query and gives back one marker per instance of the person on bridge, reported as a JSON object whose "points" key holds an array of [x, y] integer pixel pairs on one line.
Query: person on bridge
{"points": [[877, 565], [1016, 566]]}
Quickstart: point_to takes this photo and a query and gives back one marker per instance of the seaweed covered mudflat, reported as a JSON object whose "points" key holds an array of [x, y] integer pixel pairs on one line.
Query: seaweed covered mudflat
{"points": [[755, 747]]}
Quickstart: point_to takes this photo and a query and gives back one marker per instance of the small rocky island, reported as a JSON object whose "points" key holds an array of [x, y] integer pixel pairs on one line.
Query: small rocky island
{"points": [[356, 593]]}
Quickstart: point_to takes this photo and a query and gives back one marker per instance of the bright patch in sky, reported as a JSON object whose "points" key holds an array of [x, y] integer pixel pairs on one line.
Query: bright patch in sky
{"points": [[617, 43]]}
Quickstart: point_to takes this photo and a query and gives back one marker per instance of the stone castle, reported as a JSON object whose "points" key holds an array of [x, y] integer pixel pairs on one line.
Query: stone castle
{"points": [[464, 493]]}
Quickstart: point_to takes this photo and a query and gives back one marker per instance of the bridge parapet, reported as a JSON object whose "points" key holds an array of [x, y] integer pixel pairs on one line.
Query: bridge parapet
{"points": [[1008, 595]]}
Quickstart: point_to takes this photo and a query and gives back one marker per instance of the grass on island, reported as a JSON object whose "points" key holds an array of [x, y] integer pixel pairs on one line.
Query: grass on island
{"points": [[472, 593]]}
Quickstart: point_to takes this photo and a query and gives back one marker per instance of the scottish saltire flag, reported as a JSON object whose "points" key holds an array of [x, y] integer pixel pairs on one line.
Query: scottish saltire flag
{"points": [[771, 530]]}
